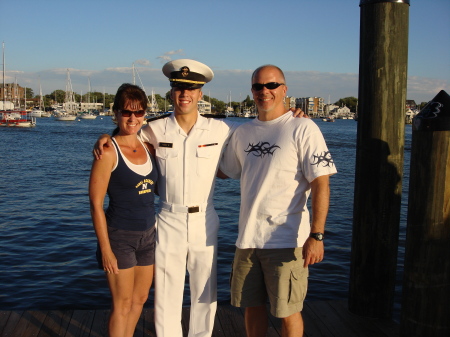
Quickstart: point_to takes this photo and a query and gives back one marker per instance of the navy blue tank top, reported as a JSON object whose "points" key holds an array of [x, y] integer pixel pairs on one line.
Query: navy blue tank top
{"points": [[131, 197]]}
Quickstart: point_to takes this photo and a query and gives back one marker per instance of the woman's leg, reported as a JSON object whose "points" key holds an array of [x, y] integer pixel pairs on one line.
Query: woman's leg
{"points": [[121, 286], [129, 289], [143, 277]]}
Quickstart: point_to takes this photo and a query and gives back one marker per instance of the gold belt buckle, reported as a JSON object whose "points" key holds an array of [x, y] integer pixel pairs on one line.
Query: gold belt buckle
{"points": [[193, 209]]}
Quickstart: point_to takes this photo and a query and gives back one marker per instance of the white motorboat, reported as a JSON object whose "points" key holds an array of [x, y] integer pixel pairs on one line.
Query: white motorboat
{"points": [[35, 113], [88, 115]]}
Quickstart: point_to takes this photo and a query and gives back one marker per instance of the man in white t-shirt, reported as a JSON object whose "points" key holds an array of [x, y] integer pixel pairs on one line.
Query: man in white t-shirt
{"points": [[280, 161]]}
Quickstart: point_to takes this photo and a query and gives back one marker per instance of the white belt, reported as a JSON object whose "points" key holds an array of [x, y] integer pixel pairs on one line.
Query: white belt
{"points": [[183, 209]]}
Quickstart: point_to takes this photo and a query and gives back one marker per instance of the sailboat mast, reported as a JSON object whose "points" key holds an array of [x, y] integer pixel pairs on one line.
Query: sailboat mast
{"points": [[4, 85]]}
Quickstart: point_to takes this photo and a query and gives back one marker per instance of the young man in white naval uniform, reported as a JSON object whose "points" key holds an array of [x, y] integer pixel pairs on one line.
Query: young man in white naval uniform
{"points": [[188, 148]]}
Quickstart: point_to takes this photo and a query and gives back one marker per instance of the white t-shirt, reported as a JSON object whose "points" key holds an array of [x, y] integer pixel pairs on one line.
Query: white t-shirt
{"points": [[276, 161]]}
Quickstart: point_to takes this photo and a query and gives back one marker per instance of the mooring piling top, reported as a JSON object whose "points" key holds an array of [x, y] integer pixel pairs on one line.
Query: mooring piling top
{"points": [[435, 116], [366, 2]]}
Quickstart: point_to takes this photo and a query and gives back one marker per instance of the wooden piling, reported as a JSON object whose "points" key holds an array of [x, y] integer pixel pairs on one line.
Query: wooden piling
{"points": [[426, 286], [379, 156]]}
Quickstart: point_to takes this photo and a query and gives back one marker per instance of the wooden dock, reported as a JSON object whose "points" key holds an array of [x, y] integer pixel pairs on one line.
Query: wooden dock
{"points": [[322, 318]]}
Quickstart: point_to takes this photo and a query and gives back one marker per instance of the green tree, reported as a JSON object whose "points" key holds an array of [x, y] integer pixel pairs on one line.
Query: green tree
{"points": [[169, 98], [29, 92], [248, 102], [56, 96], [219, 106], [109, 99], [350, 102], [421, 105]]}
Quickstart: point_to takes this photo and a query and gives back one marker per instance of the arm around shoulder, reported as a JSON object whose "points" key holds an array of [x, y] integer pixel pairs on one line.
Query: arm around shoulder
{"points": [[104, 141]]}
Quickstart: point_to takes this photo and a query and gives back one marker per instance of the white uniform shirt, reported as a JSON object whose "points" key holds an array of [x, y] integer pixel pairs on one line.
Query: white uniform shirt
{"points": [[276, 161], [187, 163]]}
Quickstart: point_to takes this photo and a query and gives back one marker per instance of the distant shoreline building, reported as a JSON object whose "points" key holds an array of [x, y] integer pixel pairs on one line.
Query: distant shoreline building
{"points": [[13, 93], [204, 107], [313, 106]]}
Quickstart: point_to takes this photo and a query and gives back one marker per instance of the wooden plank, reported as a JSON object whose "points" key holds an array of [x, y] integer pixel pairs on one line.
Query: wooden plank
{"points": [[149, 322], [80, 323], [314, 326], [327, 314], [231, 321], [100, 323], [11, 324], [372, 327], [32, 321], [55, 323], [4, 316], [217, 329]]}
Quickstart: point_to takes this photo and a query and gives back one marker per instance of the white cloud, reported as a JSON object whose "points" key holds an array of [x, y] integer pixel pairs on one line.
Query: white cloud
{"points": [[166, 57], [143, 62]]}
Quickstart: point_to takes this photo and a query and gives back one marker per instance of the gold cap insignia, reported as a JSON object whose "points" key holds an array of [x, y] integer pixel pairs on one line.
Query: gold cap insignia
{"points": [[184, 71]]}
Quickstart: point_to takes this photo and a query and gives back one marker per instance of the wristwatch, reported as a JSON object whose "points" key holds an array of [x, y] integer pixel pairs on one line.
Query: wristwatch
{"points": [[317, 236]]}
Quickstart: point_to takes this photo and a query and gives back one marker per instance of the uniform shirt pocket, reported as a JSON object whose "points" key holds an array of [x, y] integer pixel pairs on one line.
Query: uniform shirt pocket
{"points": [[167, 160], [204, 159]]}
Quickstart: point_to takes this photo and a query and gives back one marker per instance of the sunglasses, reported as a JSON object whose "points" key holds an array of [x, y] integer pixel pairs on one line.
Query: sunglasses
{"points": [[127, 113], [270, 86]]}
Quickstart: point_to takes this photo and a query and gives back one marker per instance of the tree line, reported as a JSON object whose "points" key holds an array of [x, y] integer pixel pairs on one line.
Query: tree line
{"points": [[218, 106]]}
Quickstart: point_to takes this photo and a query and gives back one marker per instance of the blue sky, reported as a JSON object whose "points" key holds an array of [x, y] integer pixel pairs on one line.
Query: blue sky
{"points": [[316, 43]]}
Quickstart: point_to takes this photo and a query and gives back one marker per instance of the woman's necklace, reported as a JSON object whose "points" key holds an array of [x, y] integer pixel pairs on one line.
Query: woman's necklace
{"points": [[131, 147]]}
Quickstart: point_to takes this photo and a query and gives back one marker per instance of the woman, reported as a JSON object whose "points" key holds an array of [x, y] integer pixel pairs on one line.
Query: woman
{"points": [[126, 230]]}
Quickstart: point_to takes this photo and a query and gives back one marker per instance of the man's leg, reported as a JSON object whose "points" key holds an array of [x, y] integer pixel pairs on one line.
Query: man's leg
{"points": [[287, 283], [292, 326], [256, 321], [170, 272], [202, 268]]}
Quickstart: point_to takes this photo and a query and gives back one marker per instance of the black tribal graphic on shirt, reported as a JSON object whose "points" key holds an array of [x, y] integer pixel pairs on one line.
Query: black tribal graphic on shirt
{"points": [[324, 159], [261, 149]]}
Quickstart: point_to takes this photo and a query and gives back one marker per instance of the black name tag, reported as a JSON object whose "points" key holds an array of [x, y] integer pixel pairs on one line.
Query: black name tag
{"points": [[166, 145]]}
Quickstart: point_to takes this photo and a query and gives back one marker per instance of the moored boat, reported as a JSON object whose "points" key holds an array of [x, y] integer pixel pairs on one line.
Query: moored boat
{"points": [[16, 118], [36, 113], [70, 106], [88, 115], [64, 116]]}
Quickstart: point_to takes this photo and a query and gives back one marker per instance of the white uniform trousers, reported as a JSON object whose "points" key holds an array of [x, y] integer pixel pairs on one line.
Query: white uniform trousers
{"points": [[186, 241]]}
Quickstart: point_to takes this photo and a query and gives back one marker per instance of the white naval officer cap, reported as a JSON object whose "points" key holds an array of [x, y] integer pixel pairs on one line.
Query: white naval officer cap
{"points": [[188, 74]]}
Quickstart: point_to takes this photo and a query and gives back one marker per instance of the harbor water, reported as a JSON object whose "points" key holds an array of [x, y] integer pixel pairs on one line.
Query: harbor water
{"points": [[47, 247]]}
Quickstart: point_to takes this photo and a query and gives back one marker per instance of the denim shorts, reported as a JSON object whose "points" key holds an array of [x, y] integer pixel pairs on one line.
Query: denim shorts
{"points": [[131, 248], [276, 274]]}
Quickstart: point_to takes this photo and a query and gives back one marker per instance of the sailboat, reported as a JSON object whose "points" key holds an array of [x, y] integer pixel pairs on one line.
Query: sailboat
{"points": [[70, 107], [153, 105], [17, 117], [88, 114], [154, 108], [39, 112]]}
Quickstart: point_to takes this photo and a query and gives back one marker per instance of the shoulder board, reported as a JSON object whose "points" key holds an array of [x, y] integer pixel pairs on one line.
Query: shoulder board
{"points": [[213, 116], [158, 117]]}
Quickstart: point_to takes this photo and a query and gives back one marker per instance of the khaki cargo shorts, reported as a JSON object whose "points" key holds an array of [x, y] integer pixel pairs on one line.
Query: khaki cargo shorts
{"points": [[277, 274]]}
